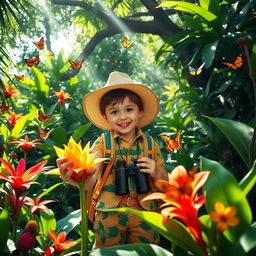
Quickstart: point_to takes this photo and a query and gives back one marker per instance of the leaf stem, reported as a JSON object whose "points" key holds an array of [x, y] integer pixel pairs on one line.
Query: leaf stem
{"points": [[84, 221]]}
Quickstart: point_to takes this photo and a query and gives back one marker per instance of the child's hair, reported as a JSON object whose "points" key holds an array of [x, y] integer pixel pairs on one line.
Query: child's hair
{"points": [[117, 96]]}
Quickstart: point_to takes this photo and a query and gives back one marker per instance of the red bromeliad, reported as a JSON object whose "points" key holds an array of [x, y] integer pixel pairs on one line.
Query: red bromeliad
{"points": [[20, 179], [12, 118], [26, 144], [9, 91], [180, 194], [36, 205], [16, 202], [62, 96]]}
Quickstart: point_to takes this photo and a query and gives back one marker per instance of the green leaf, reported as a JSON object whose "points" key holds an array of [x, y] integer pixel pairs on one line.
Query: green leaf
{"points": [[4, 131], [246, 242], [221, 186], [253, 59], [69, 222], [209, 53], [5, 227], [48, 221], [42, 88], [132, 250], [59, 135], [190, 8], [79, 132], [238, 134], [22, 125], [174, 231], [52, 187], [249, 180]]}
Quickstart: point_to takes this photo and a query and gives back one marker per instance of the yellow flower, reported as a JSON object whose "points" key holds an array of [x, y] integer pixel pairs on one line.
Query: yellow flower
{"points": [[224, 216], [80, 157]]}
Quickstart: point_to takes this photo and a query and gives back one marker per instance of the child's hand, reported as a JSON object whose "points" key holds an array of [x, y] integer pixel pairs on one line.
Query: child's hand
{"points": [[66, 171], [149, 166]]}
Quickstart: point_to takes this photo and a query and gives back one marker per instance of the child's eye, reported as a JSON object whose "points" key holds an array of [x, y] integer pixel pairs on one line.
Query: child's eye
{"points": [[114, 112], [129, 109]]}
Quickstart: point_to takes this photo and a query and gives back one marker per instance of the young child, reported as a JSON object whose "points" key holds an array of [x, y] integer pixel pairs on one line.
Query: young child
{"points": [[123, 107]]}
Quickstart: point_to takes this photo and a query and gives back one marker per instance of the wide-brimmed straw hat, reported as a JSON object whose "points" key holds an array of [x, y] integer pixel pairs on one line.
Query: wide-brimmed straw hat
{"points": [[118, 80]]}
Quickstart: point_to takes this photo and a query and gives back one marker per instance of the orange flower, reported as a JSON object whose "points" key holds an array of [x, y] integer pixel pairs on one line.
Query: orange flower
{"points": [[26, 144], [59, 241], [9, 91], [180, 184], [62, 96], [80, 157], [12, 118], [224, 216]]}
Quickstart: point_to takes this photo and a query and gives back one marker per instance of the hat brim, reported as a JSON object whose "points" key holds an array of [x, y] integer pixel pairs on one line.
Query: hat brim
{"points": [[91, 104]]}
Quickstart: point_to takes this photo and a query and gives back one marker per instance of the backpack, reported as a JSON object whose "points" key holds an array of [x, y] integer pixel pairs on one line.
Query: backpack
{"points": [[109, 152]]}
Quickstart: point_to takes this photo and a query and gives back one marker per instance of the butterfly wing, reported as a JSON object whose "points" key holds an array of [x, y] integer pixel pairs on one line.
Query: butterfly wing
{"points": [[195, 71], [33, 62], [40, 44], [19, 78], [238, 62], [172, 144], [126, 43], [43, 134], [29, 62], [42, 117], [36, 60], [76, 65]]}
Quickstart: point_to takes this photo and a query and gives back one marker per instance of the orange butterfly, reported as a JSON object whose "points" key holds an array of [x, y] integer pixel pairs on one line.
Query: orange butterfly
{"points": [[126, 43], [238, 62], [43, 134], [19, 78], [76, 65], [195, 71], [33, 62], [42, 117], [172, 144], [40, 44]]}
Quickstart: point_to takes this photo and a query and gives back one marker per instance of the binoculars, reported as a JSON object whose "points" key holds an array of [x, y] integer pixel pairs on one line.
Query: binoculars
{"points": [[121, 176]]}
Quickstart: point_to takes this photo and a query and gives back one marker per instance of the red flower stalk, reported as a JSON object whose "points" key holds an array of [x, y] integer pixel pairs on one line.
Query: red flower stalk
{"points": [[13, 118], [9, 91], [62, 96], [15, 201], [36, 205], [26, 144], [20, 179], [4, 106], [27, 238], [59, 241]]}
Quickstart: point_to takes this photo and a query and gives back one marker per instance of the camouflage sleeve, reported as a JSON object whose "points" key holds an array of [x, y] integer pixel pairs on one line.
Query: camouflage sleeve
{"points": [[158, 155], [97, 147]]}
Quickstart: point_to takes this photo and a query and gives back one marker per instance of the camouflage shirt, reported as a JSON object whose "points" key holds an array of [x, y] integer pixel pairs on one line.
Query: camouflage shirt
{"points": [[127, 152]]}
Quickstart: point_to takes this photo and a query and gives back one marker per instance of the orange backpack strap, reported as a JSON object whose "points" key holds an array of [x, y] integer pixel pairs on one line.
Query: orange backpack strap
{"points": [[149, 149], [108, 152]]}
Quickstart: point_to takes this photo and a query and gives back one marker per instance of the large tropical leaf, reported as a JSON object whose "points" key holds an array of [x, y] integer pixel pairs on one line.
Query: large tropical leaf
{"points": [[174, 231], [238, 134], [246, 243], [247, 183], [222, 186]]}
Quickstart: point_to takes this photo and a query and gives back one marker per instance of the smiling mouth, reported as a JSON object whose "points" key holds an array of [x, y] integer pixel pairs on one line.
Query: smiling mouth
{"points": [[123, 125]]}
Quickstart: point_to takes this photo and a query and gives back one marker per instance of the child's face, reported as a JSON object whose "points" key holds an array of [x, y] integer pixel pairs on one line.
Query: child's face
{"points": [[123, 117]]}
